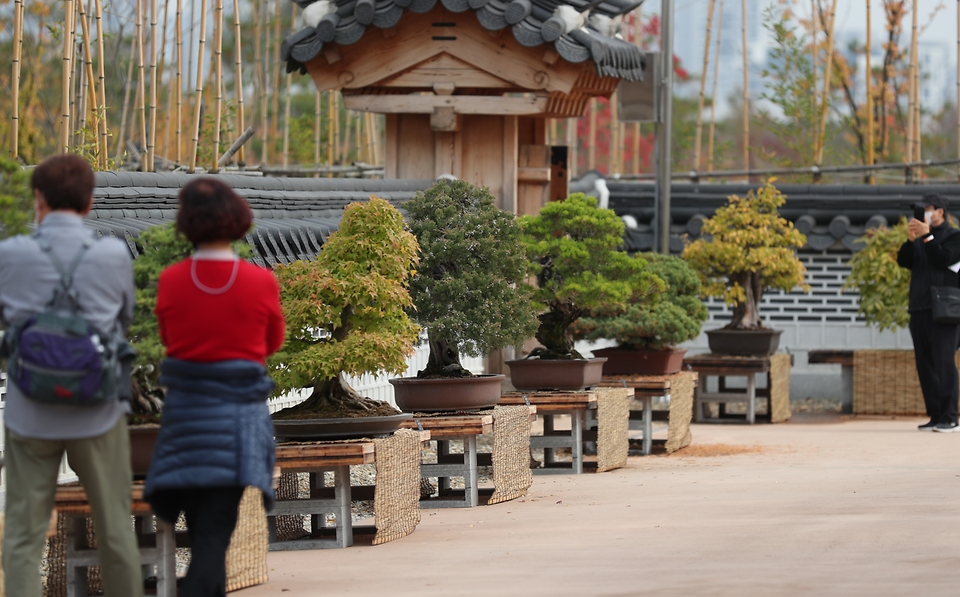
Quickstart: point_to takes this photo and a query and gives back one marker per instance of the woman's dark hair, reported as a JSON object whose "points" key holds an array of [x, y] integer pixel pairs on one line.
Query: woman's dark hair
{"points": [[210, 211], [65, 181]]}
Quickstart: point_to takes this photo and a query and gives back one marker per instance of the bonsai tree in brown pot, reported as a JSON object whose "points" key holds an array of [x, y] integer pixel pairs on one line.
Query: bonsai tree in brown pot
{"points": [[747, 248], [345, 315], [574, 249], [469, 294], [653, 322]]}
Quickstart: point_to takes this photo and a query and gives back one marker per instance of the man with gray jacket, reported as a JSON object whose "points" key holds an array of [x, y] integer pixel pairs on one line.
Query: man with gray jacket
{"points": [[94, 438]]}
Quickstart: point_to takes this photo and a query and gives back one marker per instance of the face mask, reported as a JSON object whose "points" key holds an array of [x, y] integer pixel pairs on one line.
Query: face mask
{"points": [[928, 217]]}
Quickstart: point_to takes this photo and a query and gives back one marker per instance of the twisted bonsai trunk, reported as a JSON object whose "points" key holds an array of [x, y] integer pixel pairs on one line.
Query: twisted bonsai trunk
{"points": [[746, 314], [444, 361], [554, 332], [334, 398]]}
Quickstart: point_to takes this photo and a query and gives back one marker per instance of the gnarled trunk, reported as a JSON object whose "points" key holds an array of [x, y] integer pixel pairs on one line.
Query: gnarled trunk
{"points": [[444, 361], [332, 396], [554, 332], [746, 315]]}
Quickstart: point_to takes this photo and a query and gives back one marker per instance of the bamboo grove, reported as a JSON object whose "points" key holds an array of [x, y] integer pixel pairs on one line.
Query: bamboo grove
{"points": [[164, 84]]}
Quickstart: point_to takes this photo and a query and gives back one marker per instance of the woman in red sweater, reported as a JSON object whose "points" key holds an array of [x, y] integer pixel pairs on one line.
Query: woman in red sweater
{"points": [[219, 320]]}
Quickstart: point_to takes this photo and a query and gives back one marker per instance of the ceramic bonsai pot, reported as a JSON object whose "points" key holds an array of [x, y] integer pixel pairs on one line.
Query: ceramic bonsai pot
{"points": [[143, 438], [624, 361], [333, 429], [433, 395], [744, 342], [556, 374]]}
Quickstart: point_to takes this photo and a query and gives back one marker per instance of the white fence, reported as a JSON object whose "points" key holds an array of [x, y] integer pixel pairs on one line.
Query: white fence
{"points": [[372, 386]]}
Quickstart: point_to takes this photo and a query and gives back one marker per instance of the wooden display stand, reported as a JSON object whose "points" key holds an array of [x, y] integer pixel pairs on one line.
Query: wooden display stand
{"points": [[677, 389], [550, 405], [776, 368], [317, 458], [157, 547]]}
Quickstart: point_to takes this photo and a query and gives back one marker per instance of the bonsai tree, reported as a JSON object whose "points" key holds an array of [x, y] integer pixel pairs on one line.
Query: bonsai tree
{"points": [[883, 285], [573, 247], [160, 247], [345, 313], [749, 248], [16, 199], [469, 291], [659, 319]]}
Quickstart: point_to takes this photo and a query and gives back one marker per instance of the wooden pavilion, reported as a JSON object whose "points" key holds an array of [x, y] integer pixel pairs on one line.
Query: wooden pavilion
{"points": [[462, 95]]}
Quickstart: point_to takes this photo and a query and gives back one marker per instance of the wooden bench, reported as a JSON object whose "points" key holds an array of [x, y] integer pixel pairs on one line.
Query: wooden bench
{"points": [[844, 358], [445, 428], [157, 545], [648, 387], [775, 368], [549, 406], [317, 458]]}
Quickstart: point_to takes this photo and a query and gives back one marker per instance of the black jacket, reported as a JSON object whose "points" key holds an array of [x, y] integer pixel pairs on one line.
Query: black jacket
{"points": [[929, 264]]}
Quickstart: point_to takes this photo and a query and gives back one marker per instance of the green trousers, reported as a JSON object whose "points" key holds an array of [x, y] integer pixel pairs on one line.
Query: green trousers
{"points": [[103, 465]]}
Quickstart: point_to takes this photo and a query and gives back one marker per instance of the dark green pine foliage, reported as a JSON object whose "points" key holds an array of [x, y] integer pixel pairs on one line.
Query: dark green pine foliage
{"points": [[574, 247], [654, 320], [469, 292], [16, 199]]}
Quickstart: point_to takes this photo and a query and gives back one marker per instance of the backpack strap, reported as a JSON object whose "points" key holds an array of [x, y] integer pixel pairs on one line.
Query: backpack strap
{"points": [[65, 289]]}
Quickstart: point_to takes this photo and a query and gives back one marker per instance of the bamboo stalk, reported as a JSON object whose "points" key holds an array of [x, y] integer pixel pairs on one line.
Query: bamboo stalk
{"points": [[89, 81], [746, 88], [102, 120], [912, 94], [15, 78], [827, 77], [218, 69], [141, 83], [260, 9], [915, 84], [317, 108], [179, 43], [337, 147], [238, 77], [286, 107], [126, 97], [330, 133], [637, 41], [152, 138], [870, 158], [78, 115], [160, 68], [195, 141], [275, 61], [190, 44], [815, 61], [713, 94], [703, 87], [67, 68]]}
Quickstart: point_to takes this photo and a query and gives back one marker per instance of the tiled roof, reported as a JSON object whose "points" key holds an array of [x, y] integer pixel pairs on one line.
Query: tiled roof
{"points": [[292, 216], [533, 22], [831, 216]]}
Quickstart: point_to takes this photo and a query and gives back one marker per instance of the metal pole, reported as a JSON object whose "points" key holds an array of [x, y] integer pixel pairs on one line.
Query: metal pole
{"points": [[664, 127]]}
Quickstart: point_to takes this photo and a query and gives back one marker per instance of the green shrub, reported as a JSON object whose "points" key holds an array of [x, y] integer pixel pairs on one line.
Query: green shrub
{"points": [[469, 291], [657, 321], [16, 199], [883, 285]]}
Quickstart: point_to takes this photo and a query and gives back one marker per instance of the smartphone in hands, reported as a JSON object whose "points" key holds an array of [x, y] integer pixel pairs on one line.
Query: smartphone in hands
{"points": [[918, 213]]}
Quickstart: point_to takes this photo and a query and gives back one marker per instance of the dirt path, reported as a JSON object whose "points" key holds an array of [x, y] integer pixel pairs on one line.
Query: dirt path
{"points": [[818, 506]]}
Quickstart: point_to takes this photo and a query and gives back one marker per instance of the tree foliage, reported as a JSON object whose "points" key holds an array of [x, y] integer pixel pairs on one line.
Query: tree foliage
{"points": [[884, 286], [667, 314], [748, 247], [574, 248], [346, 311], [16, 199], [469, 291]]}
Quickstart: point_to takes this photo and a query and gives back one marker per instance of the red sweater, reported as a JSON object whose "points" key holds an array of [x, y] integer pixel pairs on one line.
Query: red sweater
{"points": [[244, 322]]}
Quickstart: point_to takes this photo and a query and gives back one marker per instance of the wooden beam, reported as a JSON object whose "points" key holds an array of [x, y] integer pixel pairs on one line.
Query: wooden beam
{"points": [[461, 104], [533, 174]]}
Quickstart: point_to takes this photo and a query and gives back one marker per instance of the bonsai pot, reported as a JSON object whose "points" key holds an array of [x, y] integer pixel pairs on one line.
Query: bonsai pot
{"points": [[460, 393], [625, 361], [143, 438], [335, 429], [556, 374], [744, 342]]}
